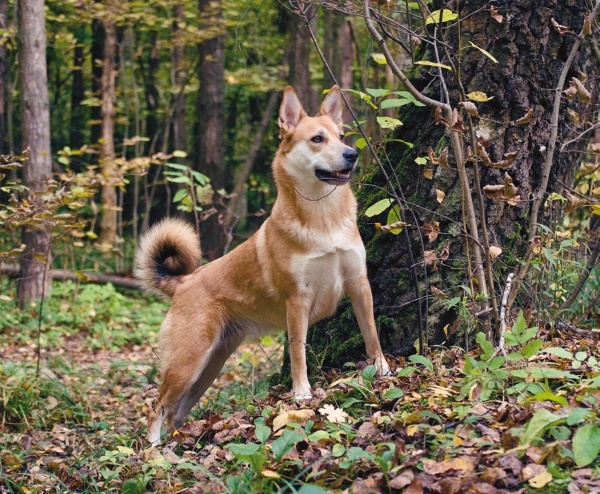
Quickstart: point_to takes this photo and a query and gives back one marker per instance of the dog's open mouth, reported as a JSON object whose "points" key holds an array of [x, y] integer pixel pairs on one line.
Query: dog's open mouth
{"points": [[337, 177]]}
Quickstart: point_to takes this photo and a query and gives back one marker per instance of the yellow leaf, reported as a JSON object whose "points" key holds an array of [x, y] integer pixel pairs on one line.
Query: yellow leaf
{"points": [[596, 191], [125, 450], [379, 58], [433, 64], [411, 430], [428, 173], [447, 15], [596, 209], [270, 474], [280, 421], [301, 416], [486, 53], [541, 480], [440, 195], [479, 96]]}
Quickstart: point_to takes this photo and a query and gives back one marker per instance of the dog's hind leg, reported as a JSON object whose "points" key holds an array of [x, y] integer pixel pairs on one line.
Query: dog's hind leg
{"points": [[213, 366]]}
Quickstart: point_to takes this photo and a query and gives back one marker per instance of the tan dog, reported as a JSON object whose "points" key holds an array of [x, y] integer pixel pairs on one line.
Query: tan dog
{"points": [[291, 273]]}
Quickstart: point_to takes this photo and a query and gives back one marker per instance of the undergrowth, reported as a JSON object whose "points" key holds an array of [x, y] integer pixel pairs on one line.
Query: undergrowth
{"points": [[448, 422]]}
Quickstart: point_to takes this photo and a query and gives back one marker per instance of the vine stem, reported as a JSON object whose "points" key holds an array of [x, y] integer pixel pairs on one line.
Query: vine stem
{"points": [[541, 192]]}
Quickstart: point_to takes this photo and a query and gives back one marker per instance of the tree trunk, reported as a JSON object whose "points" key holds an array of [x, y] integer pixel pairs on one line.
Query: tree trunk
{"points": [[531, 55], [35, 117], [97, 60], [108, 192], [78, 112], [178, 80], [3, 72], [211, 122], [299, 62]]}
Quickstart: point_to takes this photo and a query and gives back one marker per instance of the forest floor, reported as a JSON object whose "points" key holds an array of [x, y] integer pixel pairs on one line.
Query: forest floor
{"points": [[448, 423]]}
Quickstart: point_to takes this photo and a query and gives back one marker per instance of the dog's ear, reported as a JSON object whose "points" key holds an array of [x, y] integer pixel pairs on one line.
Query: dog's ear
{"points": [[290, 112], [333, 105]]}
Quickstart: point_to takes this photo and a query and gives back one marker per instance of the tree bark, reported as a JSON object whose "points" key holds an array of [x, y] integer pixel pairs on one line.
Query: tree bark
{"points": [[178, 80], [531, 55], [3, 72], [211, 121], [35, 117], [108, 192], [299, 62], [78, 112]]}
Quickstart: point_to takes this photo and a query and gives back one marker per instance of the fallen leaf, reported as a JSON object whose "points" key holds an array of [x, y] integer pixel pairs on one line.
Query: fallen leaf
{"points": [[541, 480], [333, 414], [270, 474], [402, 480]]}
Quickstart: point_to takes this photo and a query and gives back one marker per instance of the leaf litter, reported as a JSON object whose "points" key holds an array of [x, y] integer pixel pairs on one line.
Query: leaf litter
{"points": [[425, 429]]}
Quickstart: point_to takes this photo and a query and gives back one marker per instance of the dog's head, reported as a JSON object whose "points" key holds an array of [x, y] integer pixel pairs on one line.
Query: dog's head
{"points": [[313, 145]]}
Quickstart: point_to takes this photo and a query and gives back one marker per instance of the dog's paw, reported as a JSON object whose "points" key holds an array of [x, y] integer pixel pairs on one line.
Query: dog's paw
{"points": [[383, 369], [303, 396]]}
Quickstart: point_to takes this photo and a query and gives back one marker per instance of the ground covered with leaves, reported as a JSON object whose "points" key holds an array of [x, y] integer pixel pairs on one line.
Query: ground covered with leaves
{"points": [[73, 420]]}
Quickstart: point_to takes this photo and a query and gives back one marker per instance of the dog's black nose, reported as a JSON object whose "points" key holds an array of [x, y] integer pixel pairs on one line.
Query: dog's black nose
{"points": [[350, 156]]}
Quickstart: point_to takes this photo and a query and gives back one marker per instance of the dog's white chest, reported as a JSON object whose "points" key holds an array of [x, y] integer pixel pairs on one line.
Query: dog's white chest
{"points": [[321, 275]]}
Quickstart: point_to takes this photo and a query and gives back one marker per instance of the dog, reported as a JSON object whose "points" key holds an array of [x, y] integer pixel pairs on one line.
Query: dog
{"points": [[291, 273]]}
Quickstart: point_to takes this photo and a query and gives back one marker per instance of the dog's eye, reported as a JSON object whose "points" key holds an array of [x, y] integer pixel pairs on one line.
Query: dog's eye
{"points": [[342, 137], [318, 139]]}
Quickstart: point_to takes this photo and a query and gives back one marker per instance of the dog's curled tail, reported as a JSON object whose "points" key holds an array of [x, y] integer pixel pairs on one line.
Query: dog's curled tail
{"points": [[168, 250]]}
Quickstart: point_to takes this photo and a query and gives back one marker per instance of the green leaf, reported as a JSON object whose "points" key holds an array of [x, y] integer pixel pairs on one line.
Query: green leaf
{"points": [[393, 103], [338, 450], [407, 371], [180, 194], [581, 356], [179, 154], [379, 58], [181, 179], [496, 362], [433, 64], [514, 356], [377, 93], [486, 346], [486, 53], [393, 217], [360, 143], [243, 450], [262, 432], [542, 420], [422, 160], [285, 443], [369, 372], [378, 208], [420, 359], [178, 166], [388, 122], [559, 352], [586, 444], [355, 453], [532, 348], [447, 16], [393, 394], [577, 415], [547, 396], [311, 489], [318, 435]]}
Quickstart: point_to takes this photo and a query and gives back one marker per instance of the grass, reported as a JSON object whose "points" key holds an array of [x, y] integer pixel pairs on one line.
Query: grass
{"points": [[448, 422]]}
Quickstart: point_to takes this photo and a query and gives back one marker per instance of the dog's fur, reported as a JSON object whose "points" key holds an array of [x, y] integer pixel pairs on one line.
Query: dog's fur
{"points": [[291, 273]]}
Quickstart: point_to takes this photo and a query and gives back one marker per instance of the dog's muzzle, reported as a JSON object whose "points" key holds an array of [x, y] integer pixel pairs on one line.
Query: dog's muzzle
{"points": [[342, 176]]}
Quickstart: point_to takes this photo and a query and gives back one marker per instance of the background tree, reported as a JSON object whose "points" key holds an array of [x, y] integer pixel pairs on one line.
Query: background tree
{"points": [[35, 121]]}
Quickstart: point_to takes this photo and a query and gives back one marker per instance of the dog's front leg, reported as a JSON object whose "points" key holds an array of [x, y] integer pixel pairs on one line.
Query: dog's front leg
{"points": [[297, 327], [359, 291]]}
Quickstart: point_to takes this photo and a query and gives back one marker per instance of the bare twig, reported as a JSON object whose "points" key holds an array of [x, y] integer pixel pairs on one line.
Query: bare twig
{"points": [[503, 312], [592, 261]]}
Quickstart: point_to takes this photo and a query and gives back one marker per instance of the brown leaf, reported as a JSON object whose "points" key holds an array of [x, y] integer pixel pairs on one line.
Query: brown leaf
{"points": [[431, 231], [495, 251], [439, 116], [531, 471], [482, 153], [429, 257], [456, 123], [462, 464], [574, 117], [402, 480], [437, 293], [506, 192], [445, 252], [392, 226], [415, 487], [495, 15], [442, 160], [428, 173], [572, 202], [440, 195], [470, 108], [571, 92], [560, 29], [525, 119], [582, 93], [509, 159]]}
